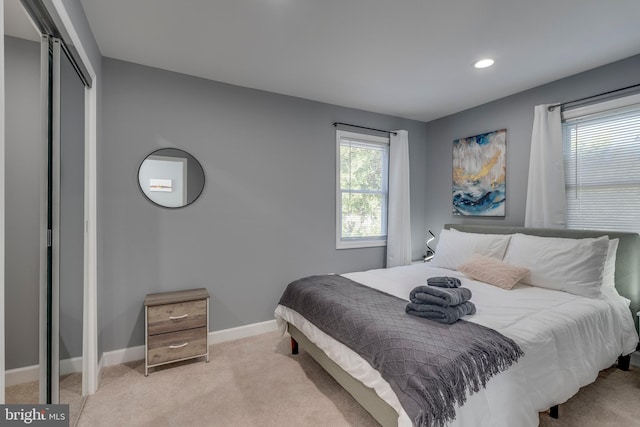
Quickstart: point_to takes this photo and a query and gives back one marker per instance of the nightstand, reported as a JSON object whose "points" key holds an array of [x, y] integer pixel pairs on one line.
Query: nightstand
{"points": [[176, 327]]}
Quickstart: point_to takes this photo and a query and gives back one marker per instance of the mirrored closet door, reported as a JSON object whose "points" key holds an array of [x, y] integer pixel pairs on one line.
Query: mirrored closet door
{"points": [[45, 209], [66, 220], [23, 176]]}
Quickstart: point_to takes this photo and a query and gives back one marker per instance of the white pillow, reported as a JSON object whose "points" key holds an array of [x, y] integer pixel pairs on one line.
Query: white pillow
{"points": [[571, 265], [608, 278], [456, 247]]}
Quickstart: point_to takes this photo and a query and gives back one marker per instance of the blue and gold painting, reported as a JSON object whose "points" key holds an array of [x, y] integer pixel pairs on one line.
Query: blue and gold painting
{"points": [[479, 174]]}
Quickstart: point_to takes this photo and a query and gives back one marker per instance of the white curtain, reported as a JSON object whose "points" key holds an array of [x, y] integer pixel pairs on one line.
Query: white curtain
{"points": [[399, 219], [546, 204]]}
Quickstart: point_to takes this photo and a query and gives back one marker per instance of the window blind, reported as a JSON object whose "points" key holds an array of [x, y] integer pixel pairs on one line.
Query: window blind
{"points": [[602, 170]]}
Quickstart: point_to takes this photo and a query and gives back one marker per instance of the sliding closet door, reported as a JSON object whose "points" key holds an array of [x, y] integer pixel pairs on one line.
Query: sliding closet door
{"points": [[71, 236], [23, 154], [51, 158], [66, 222]]}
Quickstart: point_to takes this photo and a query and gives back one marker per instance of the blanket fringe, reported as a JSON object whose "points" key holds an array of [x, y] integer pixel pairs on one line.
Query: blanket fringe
{"points": [[467, 373]]}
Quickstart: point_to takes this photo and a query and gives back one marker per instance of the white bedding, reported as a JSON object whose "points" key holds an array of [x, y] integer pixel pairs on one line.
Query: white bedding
{"points": [[567, 340]]}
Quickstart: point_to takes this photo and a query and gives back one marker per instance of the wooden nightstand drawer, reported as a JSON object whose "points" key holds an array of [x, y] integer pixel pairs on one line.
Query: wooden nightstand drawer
{"points": [[177, 345], [176, 317], [176, 327]]}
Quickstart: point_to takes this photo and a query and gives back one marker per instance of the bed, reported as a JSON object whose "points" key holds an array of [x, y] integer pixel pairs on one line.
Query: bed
{"points": [[566, 338]]}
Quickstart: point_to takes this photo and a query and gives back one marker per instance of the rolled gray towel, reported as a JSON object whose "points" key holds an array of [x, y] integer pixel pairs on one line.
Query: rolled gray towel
{"points": [[439, 296], [444, 282], [441, 314]]}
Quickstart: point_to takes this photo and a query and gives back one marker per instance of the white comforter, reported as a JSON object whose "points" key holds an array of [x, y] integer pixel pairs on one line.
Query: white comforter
{"points": [[567, 340]]}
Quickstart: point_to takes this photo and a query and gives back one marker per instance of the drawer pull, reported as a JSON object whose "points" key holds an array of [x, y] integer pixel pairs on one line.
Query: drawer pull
{"points": [[178, 317], [178, 346]]}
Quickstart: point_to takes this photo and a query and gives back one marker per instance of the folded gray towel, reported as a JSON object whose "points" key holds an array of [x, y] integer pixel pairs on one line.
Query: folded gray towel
{"points": [[444, 282], [439, 296], [441, 314]]}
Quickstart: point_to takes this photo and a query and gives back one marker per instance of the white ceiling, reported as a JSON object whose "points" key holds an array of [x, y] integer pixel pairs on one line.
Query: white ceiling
{"points": [[408, 58]]}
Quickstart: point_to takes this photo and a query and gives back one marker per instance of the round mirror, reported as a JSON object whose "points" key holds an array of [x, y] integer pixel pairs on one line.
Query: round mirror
{"points": [[171, 178]]}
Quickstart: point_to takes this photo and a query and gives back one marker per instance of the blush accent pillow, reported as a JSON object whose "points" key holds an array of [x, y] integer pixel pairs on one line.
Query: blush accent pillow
{"points": [[493, 271], [570, 265], [456, 247]]}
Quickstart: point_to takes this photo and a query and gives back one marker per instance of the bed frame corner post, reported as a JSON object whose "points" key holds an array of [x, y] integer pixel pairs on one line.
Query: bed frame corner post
{"points": [[553, 412], [623, 362], [294, 346]]}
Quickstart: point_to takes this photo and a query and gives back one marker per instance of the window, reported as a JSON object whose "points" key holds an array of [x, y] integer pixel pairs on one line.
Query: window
{"points": [[601, 157], [362, 190]]}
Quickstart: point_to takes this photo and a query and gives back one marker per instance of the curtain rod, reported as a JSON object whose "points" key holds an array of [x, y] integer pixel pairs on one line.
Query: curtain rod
{"points": [[364, 127], [562, 104]]}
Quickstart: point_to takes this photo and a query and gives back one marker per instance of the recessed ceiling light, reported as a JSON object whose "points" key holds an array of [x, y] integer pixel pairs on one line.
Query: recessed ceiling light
{"points": [[484, 63]]}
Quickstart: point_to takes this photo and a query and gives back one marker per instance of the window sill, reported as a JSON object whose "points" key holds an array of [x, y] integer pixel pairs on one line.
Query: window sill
{"points": [[360, 244]]}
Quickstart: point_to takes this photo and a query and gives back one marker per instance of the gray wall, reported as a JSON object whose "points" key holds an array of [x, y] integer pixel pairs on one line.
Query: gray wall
{"points": [[515, 113], [267, 213], [22, 203]]}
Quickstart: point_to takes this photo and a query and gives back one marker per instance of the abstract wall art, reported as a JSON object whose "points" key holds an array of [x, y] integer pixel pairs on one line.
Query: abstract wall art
{"points": [[479, 174]]}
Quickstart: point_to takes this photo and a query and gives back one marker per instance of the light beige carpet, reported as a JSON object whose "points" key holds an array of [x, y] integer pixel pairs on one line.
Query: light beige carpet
{"points": [[256, 382], [613, 400], [248, 382], [70, 393]]}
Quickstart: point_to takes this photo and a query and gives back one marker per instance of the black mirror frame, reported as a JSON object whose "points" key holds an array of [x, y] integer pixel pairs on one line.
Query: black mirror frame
{"points": [[204, 179]]}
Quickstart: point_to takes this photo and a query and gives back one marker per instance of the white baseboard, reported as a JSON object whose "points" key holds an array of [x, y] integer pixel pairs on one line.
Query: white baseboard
{"points": [[32, 373], [118, 357], [26, 374], [125, 355], [131, 354], [71, 366], [245, 331]]}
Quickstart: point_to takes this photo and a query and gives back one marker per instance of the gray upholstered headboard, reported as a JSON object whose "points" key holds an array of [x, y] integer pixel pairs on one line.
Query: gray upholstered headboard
{"points": [[627, 258]]}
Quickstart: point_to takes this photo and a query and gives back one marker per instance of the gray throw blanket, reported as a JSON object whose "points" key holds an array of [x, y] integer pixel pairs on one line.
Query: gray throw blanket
{"points": [[430, 366], [439, 313], [444, 282], [439, 296]]}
